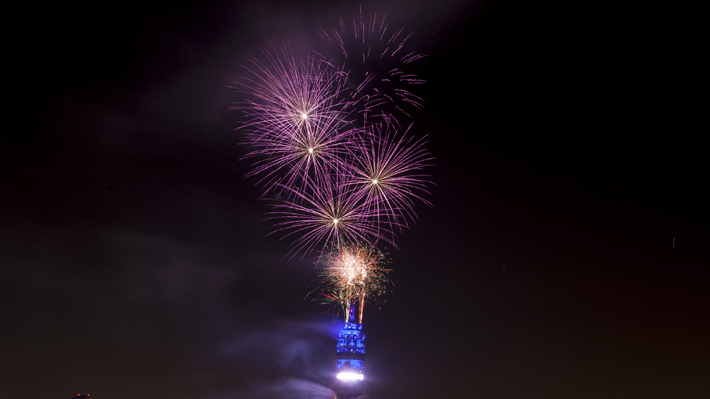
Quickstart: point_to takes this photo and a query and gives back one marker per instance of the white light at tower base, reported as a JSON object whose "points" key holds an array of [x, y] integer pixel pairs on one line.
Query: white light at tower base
{"points": [[350, 376]]}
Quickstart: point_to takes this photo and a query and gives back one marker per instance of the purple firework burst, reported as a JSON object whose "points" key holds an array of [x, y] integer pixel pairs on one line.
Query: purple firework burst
{"points": [[296, 125], [328, 214], [387, 173]]}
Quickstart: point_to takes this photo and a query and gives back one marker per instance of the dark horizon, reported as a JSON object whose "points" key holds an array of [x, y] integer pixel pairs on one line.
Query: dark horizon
{"points": [[566, 254]]}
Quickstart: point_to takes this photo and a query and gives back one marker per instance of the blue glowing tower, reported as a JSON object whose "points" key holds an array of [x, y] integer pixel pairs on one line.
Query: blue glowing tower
{"points": [[350, 359]]}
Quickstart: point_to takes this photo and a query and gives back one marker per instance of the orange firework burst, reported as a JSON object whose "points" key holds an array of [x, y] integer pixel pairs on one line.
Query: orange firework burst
{"points": [[354, 273]]}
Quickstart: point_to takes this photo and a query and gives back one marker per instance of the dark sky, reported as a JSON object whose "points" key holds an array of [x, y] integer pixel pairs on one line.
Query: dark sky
{"points": [[566, 254]]}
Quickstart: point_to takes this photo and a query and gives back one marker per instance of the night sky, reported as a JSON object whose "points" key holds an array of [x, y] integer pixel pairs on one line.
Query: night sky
{"points": [[566, 255]]}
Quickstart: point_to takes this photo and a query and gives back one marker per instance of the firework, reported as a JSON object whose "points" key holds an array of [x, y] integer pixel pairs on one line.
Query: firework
{"points": [[387, 173], [372, 56], [308, 153], [295, 124], [354, 273], [328, 151], [325, 214]]}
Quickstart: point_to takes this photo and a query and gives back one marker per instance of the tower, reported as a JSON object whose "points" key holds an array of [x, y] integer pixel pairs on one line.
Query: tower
{"points": [[350, 359]]}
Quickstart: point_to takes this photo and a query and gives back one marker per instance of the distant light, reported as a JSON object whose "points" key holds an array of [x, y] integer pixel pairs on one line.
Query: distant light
{"points": [[374, 181], [335, 221], [350, 376], [304, 115], [310, 150]]}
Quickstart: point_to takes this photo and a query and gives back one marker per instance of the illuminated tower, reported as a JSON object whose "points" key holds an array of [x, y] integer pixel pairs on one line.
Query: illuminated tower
{"points": [[350, 359]]}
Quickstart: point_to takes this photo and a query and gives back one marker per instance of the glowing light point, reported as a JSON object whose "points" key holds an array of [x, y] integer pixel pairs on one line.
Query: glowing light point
{"points": [[310, 150], [374, 181], [335, 221], [346, 376], [304, 116]]}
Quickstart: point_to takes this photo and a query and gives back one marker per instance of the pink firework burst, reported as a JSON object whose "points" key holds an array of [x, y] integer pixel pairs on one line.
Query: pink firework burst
{"points": [[328, 214], [310, 153], [387, 174], [296, 125]]}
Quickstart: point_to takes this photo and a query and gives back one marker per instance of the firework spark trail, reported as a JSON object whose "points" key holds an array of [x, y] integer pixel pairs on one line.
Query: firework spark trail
{"points": [[371, 58]]}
